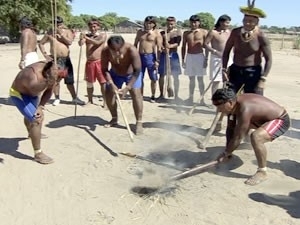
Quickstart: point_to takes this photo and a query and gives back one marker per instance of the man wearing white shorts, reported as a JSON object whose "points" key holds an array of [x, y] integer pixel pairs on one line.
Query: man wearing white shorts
{"points": [[28, 43], [215, 43], [195, 62]]}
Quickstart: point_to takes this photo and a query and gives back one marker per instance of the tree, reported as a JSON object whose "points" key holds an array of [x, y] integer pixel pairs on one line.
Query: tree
{"points": [[39, 11], [207, 20]]}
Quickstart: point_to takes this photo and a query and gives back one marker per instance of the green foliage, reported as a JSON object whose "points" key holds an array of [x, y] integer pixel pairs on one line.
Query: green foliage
{"points": [[39, 11], [207, 21]]}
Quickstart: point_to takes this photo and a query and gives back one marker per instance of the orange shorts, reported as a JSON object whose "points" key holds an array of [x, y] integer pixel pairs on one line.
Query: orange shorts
{"points": [[93, 72]]}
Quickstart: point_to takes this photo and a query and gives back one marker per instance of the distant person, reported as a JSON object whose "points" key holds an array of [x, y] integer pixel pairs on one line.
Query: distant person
{"points": [[193, 58], [149, 43], [171, 42], [30, 91], [215, 44], [251, 111], [62, 41], [125, 68], [95, 42], [249, 45], [28, 43]]}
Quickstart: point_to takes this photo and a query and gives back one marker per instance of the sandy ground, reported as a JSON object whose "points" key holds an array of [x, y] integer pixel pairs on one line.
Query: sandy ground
{"points": [[90, 183]]}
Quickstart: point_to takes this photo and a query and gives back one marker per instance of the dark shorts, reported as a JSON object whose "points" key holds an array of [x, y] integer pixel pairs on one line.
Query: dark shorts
{"points": [[64, 63], [120, 80], [277, 127], [174, 63], [148, 61], [249, 76]]}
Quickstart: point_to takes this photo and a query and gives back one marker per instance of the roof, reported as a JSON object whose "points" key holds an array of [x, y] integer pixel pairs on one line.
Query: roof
{"points": [[128, 23]]}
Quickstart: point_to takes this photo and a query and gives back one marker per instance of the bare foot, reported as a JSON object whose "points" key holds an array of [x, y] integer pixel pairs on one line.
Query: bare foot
{"points": [[138, 128], [43, 158], [257, 178], [112, 123]]}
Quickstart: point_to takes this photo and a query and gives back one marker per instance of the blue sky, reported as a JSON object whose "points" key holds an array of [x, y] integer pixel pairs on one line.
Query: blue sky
{"points": [[282, 13]]}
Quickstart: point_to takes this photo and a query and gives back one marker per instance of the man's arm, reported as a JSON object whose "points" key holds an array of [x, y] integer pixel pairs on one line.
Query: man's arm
{"points": [[207, 42], [46, 96], [42, 43], [137, 38], [105, 65], [65, 37], [159, 45], [99, 40], [136, 65], [24, 43], [229, 45], [183, 47], [240, 131], [267, 53]]}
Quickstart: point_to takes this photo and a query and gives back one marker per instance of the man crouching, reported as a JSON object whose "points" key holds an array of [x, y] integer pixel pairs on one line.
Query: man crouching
{"points": [[30, 91]]}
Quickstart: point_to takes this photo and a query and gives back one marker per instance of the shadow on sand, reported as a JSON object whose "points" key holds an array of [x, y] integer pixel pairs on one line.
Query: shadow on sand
{"points": [[290, 203], [9, 146], [86, 123], [184, 160], [289, 167]]}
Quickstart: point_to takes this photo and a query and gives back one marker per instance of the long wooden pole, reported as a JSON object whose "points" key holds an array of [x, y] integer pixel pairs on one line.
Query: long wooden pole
{"points": [[124, 117], [194, 171]]}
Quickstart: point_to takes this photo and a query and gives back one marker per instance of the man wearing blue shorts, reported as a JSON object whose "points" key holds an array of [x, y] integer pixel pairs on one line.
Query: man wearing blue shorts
{"points": [[35, 80], [125, 68], [149, 43], [171, 42]]}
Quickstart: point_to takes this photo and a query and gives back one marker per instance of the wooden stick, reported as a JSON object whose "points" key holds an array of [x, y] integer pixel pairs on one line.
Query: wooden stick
{"points": [[202, 96], [77, 81], [152, 161], [124, 117], [210, 131], [214, 123], [194, 171]]}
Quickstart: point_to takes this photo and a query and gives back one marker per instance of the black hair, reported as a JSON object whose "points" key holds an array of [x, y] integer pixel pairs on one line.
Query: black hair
{"points": [[221, 19], [194, 18], [47, 67], [25, 22], [58, 19], [115, 39], [93, 21], [224, 95], [171, 18], [151, 19]]}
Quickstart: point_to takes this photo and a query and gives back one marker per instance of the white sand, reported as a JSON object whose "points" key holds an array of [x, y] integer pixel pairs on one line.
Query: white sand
{"points": [[89, 185]]}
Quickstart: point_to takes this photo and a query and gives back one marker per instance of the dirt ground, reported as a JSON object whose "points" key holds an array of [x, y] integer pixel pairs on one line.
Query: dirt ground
{"points": [[90, 183]]}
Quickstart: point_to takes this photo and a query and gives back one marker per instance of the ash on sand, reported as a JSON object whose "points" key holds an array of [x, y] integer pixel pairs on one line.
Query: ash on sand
{"points": [[155, 184]]}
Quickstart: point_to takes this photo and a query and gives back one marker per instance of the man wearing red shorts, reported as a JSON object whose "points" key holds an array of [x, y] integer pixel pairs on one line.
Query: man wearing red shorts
{"points": [[251, 111], [94, 44]]}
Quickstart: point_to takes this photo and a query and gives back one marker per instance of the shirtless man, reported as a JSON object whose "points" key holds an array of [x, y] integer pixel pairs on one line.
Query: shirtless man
{"points": [[249, 44], [125, 68], [251, 111], [94, 45], [30, 91], [61, 42], [149, 42], [215, 44], [195, 61], [28, 43], [171, 43]]}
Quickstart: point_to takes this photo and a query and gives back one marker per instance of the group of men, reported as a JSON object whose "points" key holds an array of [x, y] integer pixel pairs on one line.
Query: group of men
{"points": [[114, 61]]}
